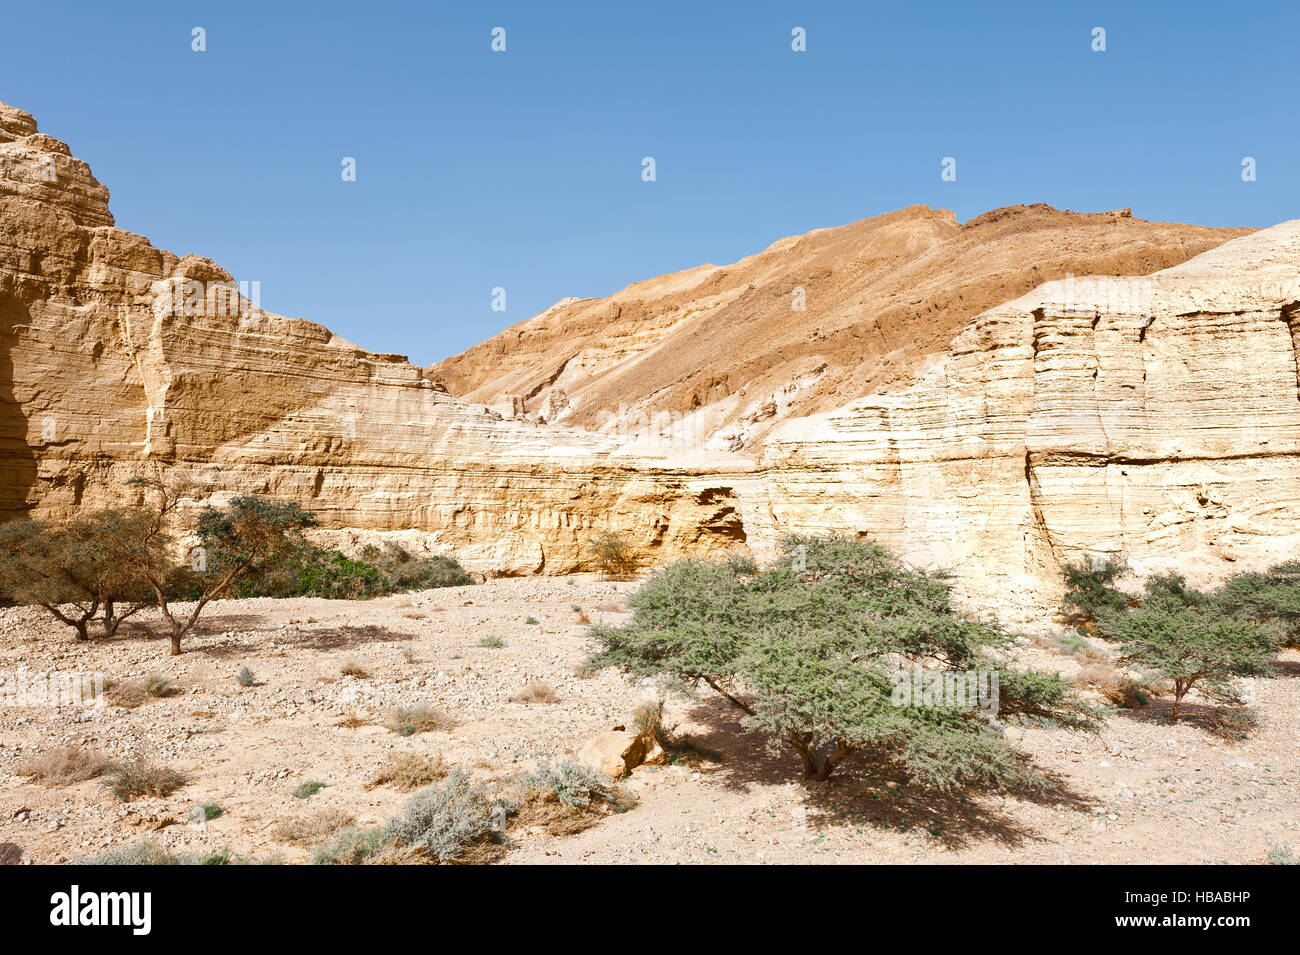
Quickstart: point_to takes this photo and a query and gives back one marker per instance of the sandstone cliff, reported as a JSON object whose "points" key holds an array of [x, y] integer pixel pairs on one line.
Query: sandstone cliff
{"points": [[935, 393]]}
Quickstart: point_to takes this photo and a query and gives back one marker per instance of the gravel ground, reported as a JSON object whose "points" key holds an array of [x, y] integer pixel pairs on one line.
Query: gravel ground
{"points": [[1142, 791]]}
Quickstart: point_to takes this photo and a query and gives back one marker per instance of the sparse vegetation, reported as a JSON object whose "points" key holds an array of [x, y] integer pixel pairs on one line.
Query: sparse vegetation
{"points": [[420, 718], [245, 677], [576, 786], [614, 556], [141, 777], [409, 772], [132, 693], [206, 812], [810, 651], [315, 826], [64, 765], [457, 821], [492, 642], [353, 670], [533, 622], [538, 691], [308, 789]]}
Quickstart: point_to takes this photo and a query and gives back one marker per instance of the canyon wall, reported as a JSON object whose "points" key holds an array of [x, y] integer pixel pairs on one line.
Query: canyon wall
{"points": [[935, 393]]}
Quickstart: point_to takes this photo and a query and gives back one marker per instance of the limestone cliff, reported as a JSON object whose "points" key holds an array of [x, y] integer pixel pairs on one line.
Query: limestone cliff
{"points": [[985, 420]]}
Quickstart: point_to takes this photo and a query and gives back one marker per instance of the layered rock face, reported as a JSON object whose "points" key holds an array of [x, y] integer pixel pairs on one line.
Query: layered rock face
{"points": [[922, 397], [120, 360], [1156, 417], [807, 325]]}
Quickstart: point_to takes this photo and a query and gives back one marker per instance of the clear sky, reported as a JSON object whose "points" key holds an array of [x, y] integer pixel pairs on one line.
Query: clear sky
{"points": [[523, 169]]}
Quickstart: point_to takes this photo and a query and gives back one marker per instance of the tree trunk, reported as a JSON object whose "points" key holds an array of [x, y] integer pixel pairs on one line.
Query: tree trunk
{"points": [[176, 645]]}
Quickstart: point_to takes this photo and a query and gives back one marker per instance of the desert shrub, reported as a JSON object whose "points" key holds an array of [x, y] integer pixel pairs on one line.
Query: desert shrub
{"points": [[420, 718], [206, 812], [132, 693], [811, 651], [1233, 723], [308, 789], [402, 570], [648, 718], [537, 691], [455, 821], [1090, 588], [1183, 638], [576, 786], [144, 852], [64, 765], [142, 777], [613, 555], [352, 846], [315, 826], [409, 772], [492, 643], [353, 670], [245, 677], [149, 852], [1282, 855]]}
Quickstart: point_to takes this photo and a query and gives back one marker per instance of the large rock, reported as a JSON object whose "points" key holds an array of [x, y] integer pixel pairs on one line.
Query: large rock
{"points": [[614, 752]]}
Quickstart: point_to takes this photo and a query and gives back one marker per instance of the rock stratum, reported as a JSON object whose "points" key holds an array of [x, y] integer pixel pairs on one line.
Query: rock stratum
{"points": [[953, 390]]}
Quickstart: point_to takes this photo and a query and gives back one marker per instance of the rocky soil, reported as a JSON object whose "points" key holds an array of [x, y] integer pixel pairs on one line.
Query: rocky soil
{"points": [[1141, 792]]}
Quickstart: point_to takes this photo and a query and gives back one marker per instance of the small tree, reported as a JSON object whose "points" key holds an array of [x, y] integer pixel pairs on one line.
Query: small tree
{"points": [[811, 652], [245, 537], [1182, 637], [613, 555], [68, 569]]}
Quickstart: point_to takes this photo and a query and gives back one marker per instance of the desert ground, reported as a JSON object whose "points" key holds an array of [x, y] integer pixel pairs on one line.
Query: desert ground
{"points": [[1141, 792]]}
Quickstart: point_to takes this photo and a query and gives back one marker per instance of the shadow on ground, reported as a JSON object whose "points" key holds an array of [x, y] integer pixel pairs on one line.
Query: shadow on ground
{"points": [[866, 794]]}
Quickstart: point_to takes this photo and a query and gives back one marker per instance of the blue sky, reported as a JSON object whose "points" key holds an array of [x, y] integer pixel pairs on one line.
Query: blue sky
{"points": [[522, 169]]}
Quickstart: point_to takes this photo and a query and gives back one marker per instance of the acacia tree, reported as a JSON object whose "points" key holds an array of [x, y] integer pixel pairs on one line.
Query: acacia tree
{"points": [[68, 569], [810, 651], [1186, 638], [246, 536]]}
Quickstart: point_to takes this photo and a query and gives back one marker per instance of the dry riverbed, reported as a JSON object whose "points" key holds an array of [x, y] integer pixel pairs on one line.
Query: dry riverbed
{"points": [[1142, 791]]}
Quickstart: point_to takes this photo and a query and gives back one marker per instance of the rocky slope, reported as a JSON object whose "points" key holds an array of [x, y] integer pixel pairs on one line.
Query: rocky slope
{"points": [[809, 324], [926, 396]]}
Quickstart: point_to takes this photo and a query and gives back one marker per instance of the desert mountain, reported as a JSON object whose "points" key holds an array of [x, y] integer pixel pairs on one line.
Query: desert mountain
{"points": [[946, 390], [809, 324]]}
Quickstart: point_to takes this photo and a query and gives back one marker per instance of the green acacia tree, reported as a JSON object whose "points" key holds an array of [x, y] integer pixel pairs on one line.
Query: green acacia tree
{"points": [[811, 649], [1184, 636]]}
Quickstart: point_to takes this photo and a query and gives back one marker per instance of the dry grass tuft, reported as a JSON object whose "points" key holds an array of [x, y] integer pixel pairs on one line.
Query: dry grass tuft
{"points": [[353, 670], [420, 718], [141, 777], [314, 826], [352, 721], [536, 692], [1115, 685], [65, 765], [410, 772]]}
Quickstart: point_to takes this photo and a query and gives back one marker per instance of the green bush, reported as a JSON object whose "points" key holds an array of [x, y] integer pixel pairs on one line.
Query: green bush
{"points": [[811, 649], [312, 571]]}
